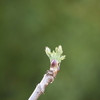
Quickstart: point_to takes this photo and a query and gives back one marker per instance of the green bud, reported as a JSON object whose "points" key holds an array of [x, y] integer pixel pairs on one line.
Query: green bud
{"points": [[55, 55]]}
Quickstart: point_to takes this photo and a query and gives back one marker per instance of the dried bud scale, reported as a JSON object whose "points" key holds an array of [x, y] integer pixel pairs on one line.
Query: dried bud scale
{"points": [[54, 63]]}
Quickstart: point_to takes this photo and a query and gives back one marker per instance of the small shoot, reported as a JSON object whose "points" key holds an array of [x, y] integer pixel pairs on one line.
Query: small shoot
{"points": [[55, 54]]}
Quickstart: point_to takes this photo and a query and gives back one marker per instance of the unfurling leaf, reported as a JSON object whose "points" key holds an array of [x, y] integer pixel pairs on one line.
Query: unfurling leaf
{"points": [[55, 55]]}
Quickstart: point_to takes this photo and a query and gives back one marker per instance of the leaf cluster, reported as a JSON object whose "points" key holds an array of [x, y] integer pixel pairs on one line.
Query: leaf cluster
{"points": [[55, 54]]}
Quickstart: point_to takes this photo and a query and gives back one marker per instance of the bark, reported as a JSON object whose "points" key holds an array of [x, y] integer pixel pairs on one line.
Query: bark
{"points": [[48, 78]]}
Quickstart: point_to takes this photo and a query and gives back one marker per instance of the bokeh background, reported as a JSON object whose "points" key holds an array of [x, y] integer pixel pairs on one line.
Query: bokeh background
{"points": [[28, 26]]}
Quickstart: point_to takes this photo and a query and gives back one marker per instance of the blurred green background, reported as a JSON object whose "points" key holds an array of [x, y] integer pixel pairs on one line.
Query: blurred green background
{"points": [[28, 26]]}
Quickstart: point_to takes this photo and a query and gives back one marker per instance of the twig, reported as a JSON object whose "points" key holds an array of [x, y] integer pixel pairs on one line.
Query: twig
{"points": [[40, 88], [55, 59]]}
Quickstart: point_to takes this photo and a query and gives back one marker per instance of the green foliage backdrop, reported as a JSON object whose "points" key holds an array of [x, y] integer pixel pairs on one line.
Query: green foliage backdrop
{"points": [[27, 26]]}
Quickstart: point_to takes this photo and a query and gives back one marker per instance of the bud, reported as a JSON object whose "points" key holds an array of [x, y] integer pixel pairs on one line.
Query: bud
{"points": [[55, 56]]}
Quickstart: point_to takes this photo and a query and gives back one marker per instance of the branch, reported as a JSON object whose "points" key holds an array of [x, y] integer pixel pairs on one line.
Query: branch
{"points": [[55, 60]]}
